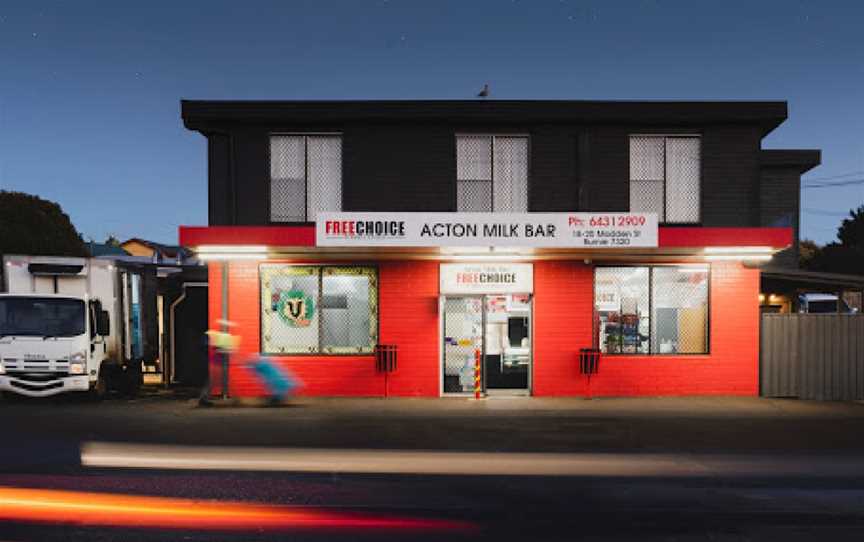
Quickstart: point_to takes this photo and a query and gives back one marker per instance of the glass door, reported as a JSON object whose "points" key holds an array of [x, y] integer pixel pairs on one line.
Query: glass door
{"points": [[463, 338], [496, 326], [507, 342]]}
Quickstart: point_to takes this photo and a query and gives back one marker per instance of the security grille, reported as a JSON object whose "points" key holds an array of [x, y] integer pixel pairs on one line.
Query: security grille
{"points": [[305, 176], [289, 312], [679, 316], [652, 310], [622, 302], [665, 177], [314, 309], [349, 309], [463, 336], [491, 173]]}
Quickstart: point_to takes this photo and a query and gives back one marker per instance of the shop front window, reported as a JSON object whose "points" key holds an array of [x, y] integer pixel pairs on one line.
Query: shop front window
{"points": [[652, 310], [315, 309]]}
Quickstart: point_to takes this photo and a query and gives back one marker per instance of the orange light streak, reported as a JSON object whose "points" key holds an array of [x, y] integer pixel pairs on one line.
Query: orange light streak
{"points": [[121, 510]]}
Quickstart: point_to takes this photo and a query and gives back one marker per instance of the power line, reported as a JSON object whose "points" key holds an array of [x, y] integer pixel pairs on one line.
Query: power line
{"points": [[850, 174], [824, 212], [837, 183]]}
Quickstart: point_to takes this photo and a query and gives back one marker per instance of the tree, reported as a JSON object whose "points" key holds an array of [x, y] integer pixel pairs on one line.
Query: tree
{"points": [[33, 226], [112, 241], [851, 230], [847, 256], [808, 251]]}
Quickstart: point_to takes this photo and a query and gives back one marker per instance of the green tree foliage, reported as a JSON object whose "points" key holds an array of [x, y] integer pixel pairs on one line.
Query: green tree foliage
{"points": [[33, 226], [808, 250], [847, 256], [851, 230]]}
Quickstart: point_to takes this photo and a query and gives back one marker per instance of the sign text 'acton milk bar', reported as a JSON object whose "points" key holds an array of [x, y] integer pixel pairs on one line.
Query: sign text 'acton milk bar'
{"points": [[578, 230]]}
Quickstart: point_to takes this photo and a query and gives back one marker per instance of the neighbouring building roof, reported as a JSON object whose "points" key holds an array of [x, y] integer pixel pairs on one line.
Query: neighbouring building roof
{"points": [[165, 251], [102, 249]]}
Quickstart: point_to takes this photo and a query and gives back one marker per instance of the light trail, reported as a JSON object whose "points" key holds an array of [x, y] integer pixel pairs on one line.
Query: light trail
{"points": [[121, 510], [437, 462]]}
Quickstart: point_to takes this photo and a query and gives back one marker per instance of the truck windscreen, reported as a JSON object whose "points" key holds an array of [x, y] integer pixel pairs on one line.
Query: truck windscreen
{"points": [[41, 316]]}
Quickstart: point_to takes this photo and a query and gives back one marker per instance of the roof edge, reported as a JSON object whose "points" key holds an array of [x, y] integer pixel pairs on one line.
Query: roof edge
{"points": [[199, 114], [801, 159]]}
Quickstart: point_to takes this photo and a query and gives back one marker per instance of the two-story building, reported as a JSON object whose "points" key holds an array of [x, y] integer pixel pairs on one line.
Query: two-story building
{"points": [[519, 232]]}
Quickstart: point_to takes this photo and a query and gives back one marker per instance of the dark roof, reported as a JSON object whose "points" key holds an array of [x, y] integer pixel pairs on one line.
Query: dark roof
{"points": [[813, 279], [204, 114], [103, 249], [801, 159]]}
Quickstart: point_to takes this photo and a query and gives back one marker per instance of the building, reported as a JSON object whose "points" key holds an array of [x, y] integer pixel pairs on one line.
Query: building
{"points": [[516, 233], [156, 252], [104, 250]]}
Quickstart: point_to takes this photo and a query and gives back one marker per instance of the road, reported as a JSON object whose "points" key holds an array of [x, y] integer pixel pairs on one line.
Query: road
{"points": [[158, 468]]}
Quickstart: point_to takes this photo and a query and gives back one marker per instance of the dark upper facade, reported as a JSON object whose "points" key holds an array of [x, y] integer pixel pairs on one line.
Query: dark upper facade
{"points": [[694, 163]]}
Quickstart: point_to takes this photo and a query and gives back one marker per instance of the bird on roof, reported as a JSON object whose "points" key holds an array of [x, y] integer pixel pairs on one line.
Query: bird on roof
{"points": [[485, 92]]}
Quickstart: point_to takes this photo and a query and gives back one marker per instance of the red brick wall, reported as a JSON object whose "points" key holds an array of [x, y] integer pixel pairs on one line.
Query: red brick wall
{"points": [[408, 313], [563, 312], [562, 324]]}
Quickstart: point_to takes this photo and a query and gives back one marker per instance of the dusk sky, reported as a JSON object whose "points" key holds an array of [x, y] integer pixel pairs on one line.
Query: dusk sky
{"points": [[90, 91]]}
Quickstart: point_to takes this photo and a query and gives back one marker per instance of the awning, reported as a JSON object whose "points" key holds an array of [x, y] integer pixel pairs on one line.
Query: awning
{"points": [[674, 243], [785, 279]]}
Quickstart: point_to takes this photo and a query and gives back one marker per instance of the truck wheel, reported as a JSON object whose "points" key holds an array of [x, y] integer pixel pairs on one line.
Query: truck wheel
{"points": [[133, 379], [99, 390]]}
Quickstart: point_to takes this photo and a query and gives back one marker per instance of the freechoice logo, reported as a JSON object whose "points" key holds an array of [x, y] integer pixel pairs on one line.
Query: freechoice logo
{"points": [[353, 229]]}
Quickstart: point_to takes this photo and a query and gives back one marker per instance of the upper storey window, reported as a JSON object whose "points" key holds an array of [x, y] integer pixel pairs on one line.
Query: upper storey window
{"points": [[665, 177], [491, 173], [305, 176]]}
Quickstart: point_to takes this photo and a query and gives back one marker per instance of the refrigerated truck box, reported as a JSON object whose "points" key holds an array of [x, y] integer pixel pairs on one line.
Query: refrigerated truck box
{"points": [[75, 324]]}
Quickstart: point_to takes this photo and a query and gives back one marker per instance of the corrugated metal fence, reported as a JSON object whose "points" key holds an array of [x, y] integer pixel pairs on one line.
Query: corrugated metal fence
{"points": [[812, 356]]}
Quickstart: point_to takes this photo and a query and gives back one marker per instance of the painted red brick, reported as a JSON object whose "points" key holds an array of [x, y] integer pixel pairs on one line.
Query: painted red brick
{"points": [[408, 312], [562, 325], [563, 313]]}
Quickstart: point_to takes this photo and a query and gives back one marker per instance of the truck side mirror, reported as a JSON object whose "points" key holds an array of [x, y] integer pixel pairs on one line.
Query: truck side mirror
{"points": [[103, 324]]}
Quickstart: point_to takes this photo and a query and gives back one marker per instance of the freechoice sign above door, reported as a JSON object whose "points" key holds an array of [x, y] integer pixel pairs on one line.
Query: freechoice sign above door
{"points": [[562, 230]]}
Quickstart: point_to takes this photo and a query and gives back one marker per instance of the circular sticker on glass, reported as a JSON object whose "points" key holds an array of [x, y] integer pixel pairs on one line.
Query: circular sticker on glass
{"points": [[295, 307]]}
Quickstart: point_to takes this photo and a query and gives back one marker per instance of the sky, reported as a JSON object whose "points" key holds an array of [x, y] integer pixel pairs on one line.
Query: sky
{"points": [[90, 91]]}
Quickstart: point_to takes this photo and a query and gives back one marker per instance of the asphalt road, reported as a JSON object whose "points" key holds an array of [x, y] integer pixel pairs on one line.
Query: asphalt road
{"points": [[502, 469]]}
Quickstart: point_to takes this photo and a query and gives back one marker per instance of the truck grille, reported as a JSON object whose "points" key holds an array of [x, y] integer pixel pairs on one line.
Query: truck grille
{"points": [[28, 387], [36, 377], [38, 365]]}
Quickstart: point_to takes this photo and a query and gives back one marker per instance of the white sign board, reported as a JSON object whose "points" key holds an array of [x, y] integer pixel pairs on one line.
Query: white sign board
{"points": [[487, 278], [560, 230]]}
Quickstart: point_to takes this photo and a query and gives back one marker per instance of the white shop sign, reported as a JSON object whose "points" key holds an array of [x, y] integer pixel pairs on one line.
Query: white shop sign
{"points": [[487, 278], [561, 230]]}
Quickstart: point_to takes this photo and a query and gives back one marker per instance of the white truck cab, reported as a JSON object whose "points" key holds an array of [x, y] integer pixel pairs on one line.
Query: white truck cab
{"points": [[70, 324]]}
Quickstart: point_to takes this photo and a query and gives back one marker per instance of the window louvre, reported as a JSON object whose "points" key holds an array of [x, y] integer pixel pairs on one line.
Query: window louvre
{"points": [[665, 177], [305, 176], [491, 173]]}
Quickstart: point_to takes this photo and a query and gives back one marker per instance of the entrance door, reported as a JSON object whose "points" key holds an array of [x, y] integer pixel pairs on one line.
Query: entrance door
{"points": [[507, 342], [496, 326]]}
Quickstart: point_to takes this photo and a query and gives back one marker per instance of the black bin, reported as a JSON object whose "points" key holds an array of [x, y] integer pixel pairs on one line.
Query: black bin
{"points": [[589, 361], [385, 358]]}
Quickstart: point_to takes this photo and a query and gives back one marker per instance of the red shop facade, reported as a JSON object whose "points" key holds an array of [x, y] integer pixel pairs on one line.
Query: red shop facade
{"points": [[677, 317]]}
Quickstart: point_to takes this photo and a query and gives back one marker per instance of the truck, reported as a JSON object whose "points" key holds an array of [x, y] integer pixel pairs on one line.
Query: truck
{"points": [[75, 325]]}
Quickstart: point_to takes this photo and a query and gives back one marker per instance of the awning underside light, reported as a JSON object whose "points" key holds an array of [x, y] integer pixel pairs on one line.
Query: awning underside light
{"points": [[231, 252]]}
